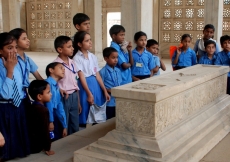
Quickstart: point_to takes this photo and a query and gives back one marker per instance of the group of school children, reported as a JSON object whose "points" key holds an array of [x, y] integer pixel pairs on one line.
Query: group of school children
{"points": [[75, 82]]}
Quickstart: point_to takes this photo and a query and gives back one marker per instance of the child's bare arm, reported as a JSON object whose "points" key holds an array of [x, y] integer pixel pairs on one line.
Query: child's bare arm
{"points": [[163, 67], [37, 75]]}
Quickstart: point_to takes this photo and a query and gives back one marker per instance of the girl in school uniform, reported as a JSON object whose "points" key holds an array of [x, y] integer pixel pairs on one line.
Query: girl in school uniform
{"points": [[184, 56], [142, 59], [92, 89], [12, 110]]}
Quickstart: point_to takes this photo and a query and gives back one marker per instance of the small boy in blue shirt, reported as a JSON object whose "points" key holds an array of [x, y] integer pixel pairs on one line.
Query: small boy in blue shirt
{"points": [[153, 47], [111, 77], [125, 59], [55, 71], [208, 57], [223, 57]]}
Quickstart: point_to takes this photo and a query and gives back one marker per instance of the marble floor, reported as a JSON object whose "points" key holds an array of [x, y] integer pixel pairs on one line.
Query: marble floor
{"points": [[65, 147]]}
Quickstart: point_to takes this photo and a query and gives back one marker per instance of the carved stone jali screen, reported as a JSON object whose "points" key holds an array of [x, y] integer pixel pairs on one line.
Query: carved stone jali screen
{"points": [[178, 116], [47, 19]]}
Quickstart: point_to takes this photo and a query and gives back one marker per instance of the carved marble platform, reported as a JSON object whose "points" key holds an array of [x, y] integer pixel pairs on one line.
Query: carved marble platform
{"points": [[179, 116]]}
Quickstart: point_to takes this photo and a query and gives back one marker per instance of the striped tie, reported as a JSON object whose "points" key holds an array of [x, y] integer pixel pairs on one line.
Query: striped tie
{"points": [[16, 95]]}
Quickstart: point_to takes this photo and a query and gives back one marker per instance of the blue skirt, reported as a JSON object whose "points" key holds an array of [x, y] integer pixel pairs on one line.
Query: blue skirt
{"points": [[14, 129], [97, 93]]}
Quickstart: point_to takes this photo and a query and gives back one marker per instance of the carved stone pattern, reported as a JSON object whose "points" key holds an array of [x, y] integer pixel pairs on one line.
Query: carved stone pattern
{"points": [[32, 25], [199, 36], [189, 13], [46, 6], [167, 2], [178, 2], [53, 25], [46, 15], [167, 25], [68, 33], [177, 37], [67, 25], [60, 24], [52, 6], [46, 34], [178, 13], [226, 12], [68, 15], [189, 25], [68, 5], [53, 15], [32, 16], [40, 34], [190, 3], [147, 86], [130, 118], [60, 5], [200, 12], [226, 25], [167, 13], [32, 7], [39, 16], [39, 25], [60, 32], [46, 25], [172, 110], [226, 2], [166, 37], [200, 25], [39, 6], [33, 34], [60, 15], [201, 2], [178, 25], [53, 34]]}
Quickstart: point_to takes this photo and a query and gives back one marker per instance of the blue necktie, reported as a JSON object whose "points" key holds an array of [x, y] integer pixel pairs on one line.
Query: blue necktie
{"points": [[16, 95]]}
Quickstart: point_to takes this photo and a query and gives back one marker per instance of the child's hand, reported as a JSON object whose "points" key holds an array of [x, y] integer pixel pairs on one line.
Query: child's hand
{"points": [[107, 96], [51, 126], [178, 51], [79, 109], [10, 61], [2, 140], [129, 47], [90, 99], [50, 152], [64, 133], [64, 93]]}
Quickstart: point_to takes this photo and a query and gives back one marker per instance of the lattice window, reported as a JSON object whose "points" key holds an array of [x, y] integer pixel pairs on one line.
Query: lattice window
{"points": [[178, 13], [226, 2], [200, 12], [177, 25], [200, 25], [226, 26], [189, 25], [167, 25], [226, 12], [190, 3], [201, 2], [167, 13], [166, 37], [167, 2], [189, 13], [199, 36], [177, 37], [178, 2]]}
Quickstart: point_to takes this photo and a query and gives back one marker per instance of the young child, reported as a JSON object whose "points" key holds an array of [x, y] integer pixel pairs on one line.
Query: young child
{"points": [[223, 58], [184, 56], [208, 34], [153, 47], [142, 59], [90, 84], [68, 83], [125, 59], [38, 117], [209, 57], [13, 124], [81, 22], [55, 72], [111, 77]]}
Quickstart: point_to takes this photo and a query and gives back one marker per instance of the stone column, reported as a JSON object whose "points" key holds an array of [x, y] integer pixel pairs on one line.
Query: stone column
{"points": [[94, 10], [78, 8], [137, 15], [10, 14], [214, 15]]}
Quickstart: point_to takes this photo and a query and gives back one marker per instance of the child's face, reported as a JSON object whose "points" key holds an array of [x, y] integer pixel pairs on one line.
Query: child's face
{"points": [[87, 43], [186, 42], [119, 38], [112, 59], [226, 45], [46, 95], [23, 41], [58, 71], [10, 48], [66, 49], [154, 49], [208, 33], [210, 49], [84, 26], [141, 42]]}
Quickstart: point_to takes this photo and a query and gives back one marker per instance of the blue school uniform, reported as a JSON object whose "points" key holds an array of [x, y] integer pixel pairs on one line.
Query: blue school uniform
{"points": [[111, 78], [205, 60], [143, 63], [56, 110], [201, 52], [13, 124], [26, 66], [157, 63], [122, 58], [186, 59]]}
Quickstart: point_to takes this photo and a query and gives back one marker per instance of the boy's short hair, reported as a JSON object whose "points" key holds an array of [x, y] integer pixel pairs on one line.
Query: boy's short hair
{"points": [[37, 87], [151, 42], [52, 66], [139, 34], [80, 18], [206, 43], [108, 50], [209, 26], [115, 29], [60, 41], [224, 38], [17, 32]]}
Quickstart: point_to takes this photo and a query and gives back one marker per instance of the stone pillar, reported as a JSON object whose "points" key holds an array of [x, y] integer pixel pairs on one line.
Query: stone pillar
{"points": [[10, 14], [136, 15], [94, 10], [78, 8], [156, 14], [214, 15]]}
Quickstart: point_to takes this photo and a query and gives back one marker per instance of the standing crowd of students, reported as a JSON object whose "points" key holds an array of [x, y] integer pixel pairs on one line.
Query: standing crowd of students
{"points": [[74, 81]]}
